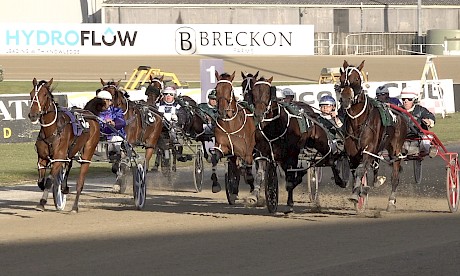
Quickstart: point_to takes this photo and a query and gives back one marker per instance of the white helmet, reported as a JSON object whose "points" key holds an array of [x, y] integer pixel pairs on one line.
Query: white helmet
{"points": [[410, 92], [169, 90], [104, 95]]}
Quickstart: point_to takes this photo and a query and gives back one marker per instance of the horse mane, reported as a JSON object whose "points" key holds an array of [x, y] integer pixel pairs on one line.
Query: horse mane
{"points": [[95, 105]]}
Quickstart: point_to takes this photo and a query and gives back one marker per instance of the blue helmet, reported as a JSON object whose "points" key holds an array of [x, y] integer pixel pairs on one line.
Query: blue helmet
{"points": [[327, 99]]}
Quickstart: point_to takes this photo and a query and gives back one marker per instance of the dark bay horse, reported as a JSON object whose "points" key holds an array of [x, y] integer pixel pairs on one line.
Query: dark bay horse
{"points": [[235, 134], [247, 84], [143, 122], [58, 143], [283, 139], [154, 89], [366, 135]]}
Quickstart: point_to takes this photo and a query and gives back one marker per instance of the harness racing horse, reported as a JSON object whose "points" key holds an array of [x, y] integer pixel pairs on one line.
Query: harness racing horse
{"points": [[154, 89], [366, 135], [235, 135], [247, 84], [143, 122], [283, 139], [63, 134]]}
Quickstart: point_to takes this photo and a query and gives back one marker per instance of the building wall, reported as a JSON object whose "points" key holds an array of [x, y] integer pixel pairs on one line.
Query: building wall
{"points": [[324, 19], [51, 11]]}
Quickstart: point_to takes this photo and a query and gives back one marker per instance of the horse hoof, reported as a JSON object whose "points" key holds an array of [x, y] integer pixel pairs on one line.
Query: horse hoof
{"points": [[289, 210], [354, 198], [40, 208], [74, 211], [233, 198], [216, 188], [391, 207], [116, 188]]}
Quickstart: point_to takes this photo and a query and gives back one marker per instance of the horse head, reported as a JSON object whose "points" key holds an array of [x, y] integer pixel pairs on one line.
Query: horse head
{"points": [[41, 99], [247, 84], [154, 89], [262, 98], [352, 76], [226, 101]]}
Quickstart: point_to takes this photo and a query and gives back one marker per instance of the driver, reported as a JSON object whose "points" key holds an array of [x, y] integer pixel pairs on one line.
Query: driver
{"points": [[168, 106], [288, 95], [113, 118], [210, 109], [426, 119], [330, 120]]}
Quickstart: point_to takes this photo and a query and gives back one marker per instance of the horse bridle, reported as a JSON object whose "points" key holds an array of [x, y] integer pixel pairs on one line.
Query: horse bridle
{"points": [[269, 107], [41, 112], [247, 87], [159, 89], [229, 101]]}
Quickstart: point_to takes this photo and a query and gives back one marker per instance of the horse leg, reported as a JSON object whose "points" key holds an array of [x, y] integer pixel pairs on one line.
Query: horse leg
{"points": [[249, 178], [253, 197], [357, 189], [394, 185], [233, 179], [80, 183], [215, 184], [48, 183], [65, 187], [41, 164], [148, 155]]}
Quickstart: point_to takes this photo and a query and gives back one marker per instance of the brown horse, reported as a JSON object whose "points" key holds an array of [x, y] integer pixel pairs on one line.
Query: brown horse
{"points": [[58, 143], [154, 89], [366, 135], [235, 134], [283, 139], [143, 122]]}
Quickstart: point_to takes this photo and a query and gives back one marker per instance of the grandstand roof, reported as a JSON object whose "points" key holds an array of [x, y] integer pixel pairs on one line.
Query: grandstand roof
{"points": [[285, 2]]}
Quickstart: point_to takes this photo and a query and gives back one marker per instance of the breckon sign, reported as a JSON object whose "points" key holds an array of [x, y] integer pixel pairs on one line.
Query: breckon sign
{"points": [[136, 39]]}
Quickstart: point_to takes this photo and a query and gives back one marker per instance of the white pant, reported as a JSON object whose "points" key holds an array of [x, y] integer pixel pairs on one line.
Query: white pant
{"points": [[115, 144]]}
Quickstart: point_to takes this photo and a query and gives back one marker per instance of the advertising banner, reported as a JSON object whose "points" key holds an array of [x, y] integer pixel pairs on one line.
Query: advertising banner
{"points": [[137, 39]]}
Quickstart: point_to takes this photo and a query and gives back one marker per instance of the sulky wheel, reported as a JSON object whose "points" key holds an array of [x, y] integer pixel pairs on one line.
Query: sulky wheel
{"points": [[59, 198], [417, 171], [139, 186], [453, 189], [314, 176], [198, 170], [271, 188]]}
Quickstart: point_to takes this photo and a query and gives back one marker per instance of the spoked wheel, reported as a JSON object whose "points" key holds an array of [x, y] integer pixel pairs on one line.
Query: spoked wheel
{"points": [[198, 170], [231, 180], [361, 206], [139, 186], [417, 170], [271, 188], [453, 189], [60, 199], [314, 176]]}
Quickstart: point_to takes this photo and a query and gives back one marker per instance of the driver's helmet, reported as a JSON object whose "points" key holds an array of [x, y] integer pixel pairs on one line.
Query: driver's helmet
{"points": [[410, 92], [327, 100], [169, 90], [382, 90], [288, 92], [212, 94], [104, 95]]}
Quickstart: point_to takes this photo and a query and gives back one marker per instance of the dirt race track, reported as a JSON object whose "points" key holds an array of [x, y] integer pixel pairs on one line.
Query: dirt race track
{"points": [[185, 233]]}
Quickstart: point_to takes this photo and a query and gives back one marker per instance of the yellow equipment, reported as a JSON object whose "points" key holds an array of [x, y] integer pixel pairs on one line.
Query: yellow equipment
{"points": [[142, 74]]}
